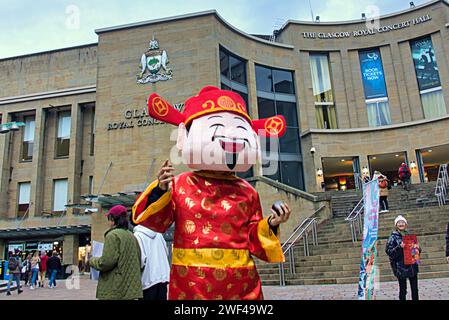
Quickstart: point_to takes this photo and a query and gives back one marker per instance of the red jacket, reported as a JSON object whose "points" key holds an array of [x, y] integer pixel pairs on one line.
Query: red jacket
{"points": [[404, 172], [43, 264]]}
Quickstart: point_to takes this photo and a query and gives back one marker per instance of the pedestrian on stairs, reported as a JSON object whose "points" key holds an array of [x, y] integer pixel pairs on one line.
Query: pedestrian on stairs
{"points": [[404, 175], [383, 185], [395, 251]]}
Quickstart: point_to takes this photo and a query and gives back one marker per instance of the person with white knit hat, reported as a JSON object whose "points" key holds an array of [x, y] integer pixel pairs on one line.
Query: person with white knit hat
{"points": [[395, 251]]}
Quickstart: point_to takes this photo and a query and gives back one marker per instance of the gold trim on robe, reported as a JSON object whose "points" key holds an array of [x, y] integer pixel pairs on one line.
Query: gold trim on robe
{"points": [[212, 258], [154, 207], [270, 242]]}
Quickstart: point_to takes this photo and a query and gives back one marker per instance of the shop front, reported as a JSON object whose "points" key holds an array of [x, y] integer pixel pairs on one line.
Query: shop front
{"points": [[429, 161], [67, 241], [341, 173]]}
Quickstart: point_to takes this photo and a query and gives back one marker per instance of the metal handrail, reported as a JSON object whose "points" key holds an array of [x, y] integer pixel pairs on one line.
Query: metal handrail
{"points": [[22, 218], [300, 232], [355, 219], [442, 184]]}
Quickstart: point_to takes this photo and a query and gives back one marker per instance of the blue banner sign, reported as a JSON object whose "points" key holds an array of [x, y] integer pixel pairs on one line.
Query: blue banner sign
{"points": [[372, 74], [368, 265]]}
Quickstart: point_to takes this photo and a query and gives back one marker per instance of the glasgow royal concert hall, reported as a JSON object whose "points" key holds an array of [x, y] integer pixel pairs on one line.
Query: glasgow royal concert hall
{"points": [[357, 96]]}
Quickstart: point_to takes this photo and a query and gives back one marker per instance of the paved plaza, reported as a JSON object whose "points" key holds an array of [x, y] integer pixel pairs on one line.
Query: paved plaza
{"points": [[434, 289]]}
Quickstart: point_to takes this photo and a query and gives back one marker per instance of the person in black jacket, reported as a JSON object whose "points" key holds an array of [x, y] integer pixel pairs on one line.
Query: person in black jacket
{"points": [[53, 266], [447, 243], [395, 251]]}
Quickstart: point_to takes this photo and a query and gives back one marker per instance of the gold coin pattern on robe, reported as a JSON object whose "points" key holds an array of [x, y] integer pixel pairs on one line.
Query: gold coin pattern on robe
{"points": [[219, 274], [182, 296], [226, 228], [182, 271], [189, 227], [218, 254]]}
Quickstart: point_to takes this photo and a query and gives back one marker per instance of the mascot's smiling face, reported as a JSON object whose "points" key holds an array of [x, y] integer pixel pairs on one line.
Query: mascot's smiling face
{"points": [[222, 141]]}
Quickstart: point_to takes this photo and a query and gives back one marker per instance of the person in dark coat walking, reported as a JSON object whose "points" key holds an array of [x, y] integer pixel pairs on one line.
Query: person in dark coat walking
{"points": [[53, 266], [14, 266], [395, 251]]}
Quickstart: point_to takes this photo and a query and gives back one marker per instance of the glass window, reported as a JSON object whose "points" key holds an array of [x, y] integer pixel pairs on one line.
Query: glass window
{"points": [[224, 64], [289, 143], [264, 79], [276, 176], [433, 104], [232, 67], [372, 74], [92, 133], [428, 77], [283, 81], [60, 192], [288, 110], [225, 87], [326, 117], [292, 174], [91, 184], [266, 108], [280, 101], [24, 198], [376, 96], [321, 78], [238, 70], [378, 114], [63, 137], [28, 139], [426, 67]]}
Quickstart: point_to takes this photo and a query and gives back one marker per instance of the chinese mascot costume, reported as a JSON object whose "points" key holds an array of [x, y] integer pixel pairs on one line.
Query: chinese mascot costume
{"points": [[218, 217]]}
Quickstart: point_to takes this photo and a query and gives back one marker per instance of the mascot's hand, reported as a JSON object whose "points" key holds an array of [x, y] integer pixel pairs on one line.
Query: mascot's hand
{"points": [[284, 213], [165, 175]]}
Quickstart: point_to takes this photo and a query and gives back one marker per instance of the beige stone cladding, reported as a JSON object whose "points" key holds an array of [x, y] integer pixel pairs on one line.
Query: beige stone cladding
{"points": [[362, 143], [41, 85], [400, 77], [192, 46]]}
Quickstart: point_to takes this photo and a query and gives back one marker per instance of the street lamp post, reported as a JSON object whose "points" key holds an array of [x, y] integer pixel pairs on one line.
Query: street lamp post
{"points": [[11, 126]]}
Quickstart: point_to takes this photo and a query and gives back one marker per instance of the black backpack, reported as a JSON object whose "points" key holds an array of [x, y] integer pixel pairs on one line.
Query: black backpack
{"points": [[12, 264]]}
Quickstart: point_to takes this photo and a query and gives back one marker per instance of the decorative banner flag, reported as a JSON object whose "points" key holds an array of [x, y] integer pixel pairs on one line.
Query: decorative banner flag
{"points": [[368, 267], [372, 74], [425, 64]]}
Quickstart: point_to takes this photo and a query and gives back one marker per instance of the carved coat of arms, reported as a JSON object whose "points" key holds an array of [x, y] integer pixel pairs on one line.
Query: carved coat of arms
{"points": [[154, 65]]}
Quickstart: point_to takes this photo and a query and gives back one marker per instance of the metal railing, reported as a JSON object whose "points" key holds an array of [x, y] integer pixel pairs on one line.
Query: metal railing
{"points": [[300, 232], [20, 220], [442, 184], [355, 220]]}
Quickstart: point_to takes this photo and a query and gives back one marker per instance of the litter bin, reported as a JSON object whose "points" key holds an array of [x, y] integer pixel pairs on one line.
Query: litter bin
{"points": [[5, 270]]}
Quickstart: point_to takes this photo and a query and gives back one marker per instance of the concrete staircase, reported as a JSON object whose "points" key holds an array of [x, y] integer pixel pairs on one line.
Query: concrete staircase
{"points": [[420, 195], [336, 259]]}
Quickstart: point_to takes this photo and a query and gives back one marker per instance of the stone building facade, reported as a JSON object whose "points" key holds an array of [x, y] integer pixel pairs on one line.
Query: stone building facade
{"points": [[362, 95]]}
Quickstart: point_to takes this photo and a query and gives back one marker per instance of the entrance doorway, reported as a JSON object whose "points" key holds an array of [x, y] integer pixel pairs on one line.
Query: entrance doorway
{"points": [[339, 173], [388, 164], [429, 161]]}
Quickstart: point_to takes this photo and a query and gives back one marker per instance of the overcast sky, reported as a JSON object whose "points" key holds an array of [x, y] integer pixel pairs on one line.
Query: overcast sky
{"points": [[29, 26]]}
